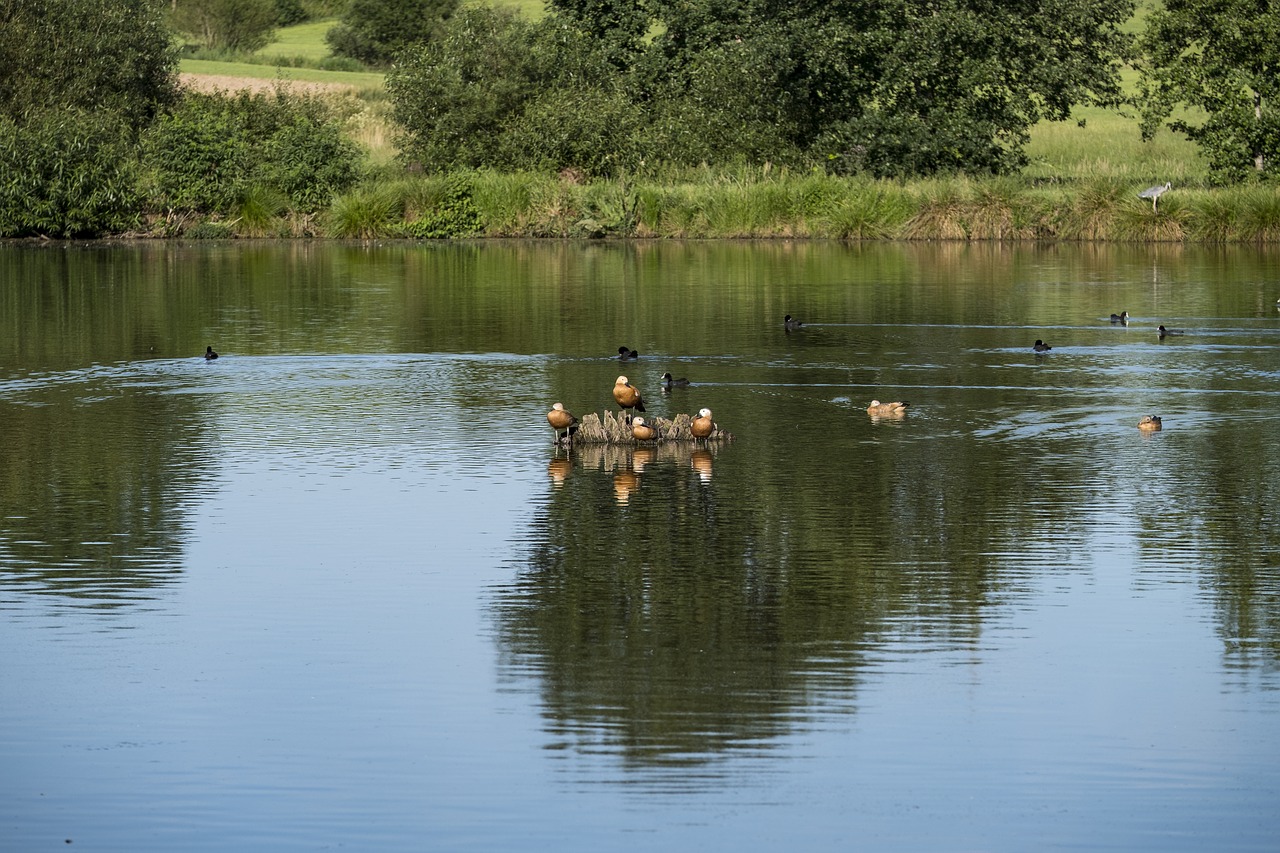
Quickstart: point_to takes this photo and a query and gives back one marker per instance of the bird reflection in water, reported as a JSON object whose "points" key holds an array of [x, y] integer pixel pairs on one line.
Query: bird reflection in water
{"points": [[559, 469], [624, 483], [700, 461]]}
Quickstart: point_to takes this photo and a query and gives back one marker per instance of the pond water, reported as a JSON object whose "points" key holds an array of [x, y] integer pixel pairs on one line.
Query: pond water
{"points": [[339, 589]]}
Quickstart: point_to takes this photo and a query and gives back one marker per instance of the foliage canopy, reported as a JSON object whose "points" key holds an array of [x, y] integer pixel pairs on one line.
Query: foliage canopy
{"points": [[374, 31], [886, 87], [112, 55], [1222, 57]]}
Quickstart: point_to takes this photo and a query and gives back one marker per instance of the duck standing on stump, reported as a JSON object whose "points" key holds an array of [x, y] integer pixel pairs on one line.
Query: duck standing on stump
{"points": [[627, 397], [561, 419], [641, 431], [702, 426]]}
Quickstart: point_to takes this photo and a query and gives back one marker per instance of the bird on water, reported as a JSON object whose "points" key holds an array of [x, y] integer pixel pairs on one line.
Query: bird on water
{"points": [[789, 323], [209, 354], [626, 353], [887, 410], [1163, 332], [1150, 423], [1122, 318], [668, 383], [1041, 346], [1154, 194]]}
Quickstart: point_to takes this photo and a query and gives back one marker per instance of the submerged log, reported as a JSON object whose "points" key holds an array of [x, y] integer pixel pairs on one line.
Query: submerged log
{"points": [[608, 428]]}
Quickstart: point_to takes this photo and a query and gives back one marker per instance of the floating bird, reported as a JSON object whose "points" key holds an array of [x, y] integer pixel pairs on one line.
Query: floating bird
{"points": [[1150, 423], [626, 354], [641, 431], [887, 410], [1041, 346], [627, 397], [668, 383], [1154, 194], [209, 354], [789, 323], [1122, 318], [1164, 332], [560, 419], [702, 426]]}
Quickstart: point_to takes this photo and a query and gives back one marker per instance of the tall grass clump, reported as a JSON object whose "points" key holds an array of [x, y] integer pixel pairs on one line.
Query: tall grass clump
{"points": [[942, 211], [867, 211], [505, 201], [366, 213]]}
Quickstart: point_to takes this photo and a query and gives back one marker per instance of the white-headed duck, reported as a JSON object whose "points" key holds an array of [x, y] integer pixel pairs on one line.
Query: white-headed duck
{"points": [[641, 431], [702, 426], [561, 419], [627, 396], [887, 410]]}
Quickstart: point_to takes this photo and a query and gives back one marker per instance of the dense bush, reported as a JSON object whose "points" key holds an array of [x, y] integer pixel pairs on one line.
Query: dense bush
{"points": [[113, 55], [67, 174], [374, 31], [206, 153]]}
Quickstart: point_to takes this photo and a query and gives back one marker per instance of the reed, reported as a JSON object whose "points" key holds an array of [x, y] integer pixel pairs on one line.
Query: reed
{"points": [[367, 213]]}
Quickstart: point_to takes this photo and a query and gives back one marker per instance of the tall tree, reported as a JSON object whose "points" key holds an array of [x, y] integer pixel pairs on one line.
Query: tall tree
{"points": [[1222, 57], [114, 55], [233, 25], [374, 31]]}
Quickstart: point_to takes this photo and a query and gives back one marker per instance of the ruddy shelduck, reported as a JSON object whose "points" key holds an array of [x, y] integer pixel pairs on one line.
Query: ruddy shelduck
{"points": [[627, 396], [560, 420]]}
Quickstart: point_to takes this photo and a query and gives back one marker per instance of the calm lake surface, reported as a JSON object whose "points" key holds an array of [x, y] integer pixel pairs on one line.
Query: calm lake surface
{"points": [[338, 589]]}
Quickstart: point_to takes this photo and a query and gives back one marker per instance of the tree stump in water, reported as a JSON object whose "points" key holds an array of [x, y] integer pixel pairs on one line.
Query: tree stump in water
{"points": [[608, 428]]}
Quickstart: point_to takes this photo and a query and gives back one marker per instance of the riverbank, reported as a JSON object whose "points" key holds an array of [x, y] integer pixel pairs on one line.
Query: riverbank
{"points": [[762, 203]]}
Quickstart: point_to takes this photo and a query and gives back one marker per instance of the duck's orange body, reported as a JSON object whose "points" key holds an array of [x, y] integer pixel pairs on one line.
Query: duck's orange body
{"points": [[702, 426], [626, 396], [641, 431], [560, 419], [887, 410]]}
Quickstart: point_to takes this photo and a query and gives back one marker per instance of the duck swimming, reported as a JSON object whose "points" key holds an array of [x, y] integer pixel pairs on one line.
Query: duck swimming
{"points": [[1041, 346], [1150, 423], [626, 353], [788, 322], [1121, 318], [887, 410], [668, 383], [1165, 332], [209, 354]]}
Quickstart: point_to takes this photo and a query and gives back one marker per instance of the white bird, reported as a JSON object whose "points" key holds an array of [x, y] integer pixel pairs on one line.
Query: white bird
{"points": [[1154, 194]]}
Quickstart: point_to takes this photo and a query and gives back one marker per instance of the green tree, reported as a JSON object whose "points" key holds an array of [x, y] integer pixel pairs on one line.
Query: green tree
{"points": [[113, 55], [1222, 57], [228, 25], [375, 31]]}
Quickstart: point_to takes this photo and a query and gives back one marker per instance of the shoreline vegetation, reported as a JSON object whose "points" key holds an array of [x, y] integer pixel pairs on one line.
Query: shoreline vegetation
{"points": [[1081, 183]]}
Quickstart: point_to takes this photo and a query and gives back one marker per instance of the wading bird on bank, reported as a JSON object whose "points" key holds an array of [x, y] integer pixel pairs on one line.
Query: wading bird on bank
{"points": [[1154, 194]]}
